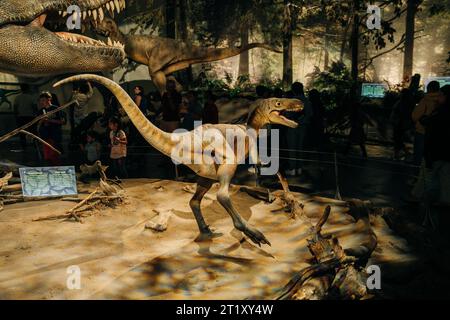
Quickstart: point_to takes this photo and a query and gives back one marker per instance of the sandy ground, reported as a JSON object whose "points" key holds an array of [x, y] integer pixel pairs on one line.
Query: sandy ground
{"points": [[120, 259]]}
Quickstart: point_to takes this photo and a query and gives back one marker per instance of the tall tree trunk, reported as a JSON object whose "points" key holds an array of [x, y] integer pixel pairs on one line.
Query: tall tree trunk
{"points": [[182, 20], [170, 19], [187, 76], [355, 43], [244, 56], [355, 48], [289, 25], [326, 62], [409, 38], [287, 61], [344, 42]]}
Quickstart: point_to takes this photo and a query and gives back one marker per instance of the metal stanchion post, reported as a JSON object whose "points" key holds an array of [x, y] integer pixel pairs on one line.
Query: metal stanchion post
{"points": [[176, 173], [336, 174]]}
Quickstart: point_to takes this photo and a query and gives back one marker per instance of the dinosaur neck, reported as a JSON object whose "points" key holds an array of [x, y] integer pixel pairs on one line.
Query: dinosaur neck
{"points": [[257, 119]]}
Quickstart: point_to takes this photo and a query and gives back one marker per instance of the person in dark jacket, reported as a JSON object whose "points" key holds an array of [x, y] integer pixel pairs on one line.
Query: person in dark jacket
{"points": [[358, 119], [401, 121], [210, 111], [317, 129], [436, 154]]}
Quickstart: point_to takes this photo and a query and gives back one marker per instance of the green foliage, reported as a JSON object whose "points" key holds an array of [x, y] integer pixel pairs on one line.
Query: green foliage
{"points": [[335, 83], [271, 83]]}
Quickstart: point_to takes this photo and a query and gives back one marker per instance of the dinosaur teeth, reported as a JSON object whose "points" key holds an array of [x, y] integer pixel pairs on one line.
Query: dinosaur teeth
{"points": [[116, 2], [84, 15], [108, 7], [118, 45], [112, 6], [109, 42], [94, 14], [101, 14]]}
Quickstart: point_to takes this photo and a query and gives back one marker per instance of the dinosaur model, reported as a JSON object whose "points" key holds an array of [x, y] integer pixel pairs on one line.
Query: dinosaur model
{"points": [[164, 56], [29, 48], [209, 171]]}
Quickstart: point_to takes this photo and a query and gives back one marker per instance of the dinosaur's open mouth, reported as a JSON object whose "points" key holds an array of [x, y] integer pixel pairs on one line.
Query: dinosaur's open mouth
{"points": [[57, 18], [279, 116], [282, 119]]}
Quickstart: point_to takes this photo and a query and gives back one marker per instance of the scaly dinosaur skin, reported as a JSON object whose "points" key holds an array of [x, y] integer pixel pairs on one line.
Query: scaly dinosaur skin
{"points": [[29, 49], [164, 56], [265, 112]]}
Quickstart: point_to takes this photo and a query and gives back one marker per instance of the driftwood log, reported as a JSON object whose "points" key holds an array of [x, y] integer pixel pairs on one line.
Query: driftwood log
{"points": [[106, 195], [3, 183], [290, 203], [334, 273]]}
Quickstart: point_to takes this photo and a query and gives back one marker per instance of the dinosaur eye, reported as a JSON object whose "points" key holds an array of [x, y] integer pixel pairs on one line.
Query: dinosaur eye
{"points": [[278, 104]]}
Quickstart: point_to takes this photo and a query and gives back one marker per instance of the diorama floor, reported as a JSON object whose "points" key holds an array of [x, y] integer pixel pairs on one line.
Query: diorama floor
{"points": [[120, 259]]}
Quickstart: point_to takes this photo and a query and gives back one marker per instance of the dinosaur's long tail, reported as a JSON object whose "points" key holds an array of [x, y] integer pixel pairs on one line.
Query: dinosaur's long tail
{"points": [[215, 54], [159, 139]]}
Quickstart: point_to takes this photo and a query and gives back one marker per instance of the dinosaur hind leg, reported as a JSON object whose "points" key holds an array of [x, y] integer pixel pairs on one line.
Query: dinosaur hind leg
{"points": [[225, 173], [159, 80], [203, 186]]}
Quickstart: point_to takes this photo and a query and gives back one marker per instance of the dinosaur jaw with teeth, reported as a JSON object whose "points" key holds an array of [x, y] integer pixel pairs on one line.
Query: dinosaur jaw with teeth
{"points": [[94, 15], [277, 117], [35, 41], [98, 14]]}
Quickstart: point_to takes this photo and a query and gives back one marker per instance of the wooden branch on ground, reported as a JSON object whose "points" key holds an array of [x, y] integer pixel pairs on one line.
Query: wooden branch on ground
{"points": [[35, 120], [40, 140], [93, 198], [5, 179], [71, 213], [292, 204], [12, 188], [104, 195], [338, 269]]}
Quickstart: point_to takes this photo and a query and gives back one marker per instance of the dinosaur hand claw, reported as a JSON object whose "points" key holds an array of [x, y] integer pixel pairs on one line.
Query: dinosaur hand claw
{"points": [[256, 236]]}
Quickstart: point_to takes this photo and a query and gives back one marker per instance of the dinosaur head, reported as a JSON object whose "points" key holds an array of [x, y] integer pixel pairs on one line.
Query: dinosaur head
{"points": [[32, 47], [107, 28], [270, 111]]}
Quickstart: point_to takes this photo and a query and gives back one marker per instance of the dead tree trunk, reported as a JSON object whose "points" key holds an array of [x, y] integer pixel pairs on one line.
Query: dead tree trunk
{"points": [[244, 56], [355, 46], [170, 19], [289, 26], [336, 273], [409, 38]]}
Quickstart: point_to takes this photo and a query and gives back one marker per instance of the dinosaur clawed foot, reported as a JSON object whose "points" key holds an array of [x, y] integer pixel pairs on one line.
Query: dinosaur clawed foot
{"points": [[207, 235], [256, 236]]}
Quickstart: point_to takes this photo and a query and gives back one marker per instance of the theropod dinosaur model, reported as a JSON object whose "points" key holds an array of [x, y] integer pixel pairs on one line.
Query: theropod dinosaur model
{"points": [[29, 48], [208, 169], [164, 56]]}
